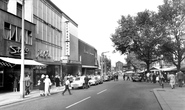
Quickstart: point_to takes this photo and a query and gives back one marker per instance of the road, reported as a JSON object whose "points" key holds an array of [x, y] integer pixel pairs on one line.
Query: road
{"points": [[111, 95]]}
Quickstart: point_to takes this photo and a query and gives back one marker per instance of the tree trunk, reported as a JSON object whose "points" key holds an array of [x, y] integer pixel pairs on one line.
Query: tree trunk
{"points": [[147, 66]]}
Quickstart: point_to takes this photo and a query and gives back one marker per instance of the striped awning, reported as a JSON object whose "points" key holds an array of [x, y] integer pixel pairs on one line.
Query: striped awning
{"points": [[7, 61], [3, 63]]}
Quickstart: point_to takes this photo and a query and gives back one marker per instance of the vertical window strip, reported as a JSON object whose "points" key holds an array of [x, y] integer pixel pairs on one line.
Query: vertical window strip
{"points": [[13, 33]]}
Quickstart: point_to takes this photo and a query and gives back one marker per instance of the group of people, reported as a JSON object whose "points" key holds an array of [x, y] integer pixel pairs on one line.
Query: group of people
{"points": [[172, 79], [44, 85], [27, 83]]}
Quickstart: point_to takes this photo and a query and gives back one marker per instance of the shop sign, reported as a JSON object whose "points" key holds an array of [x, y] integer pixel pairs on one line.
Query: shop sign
{"points": [[43, 54], [16, 50]]}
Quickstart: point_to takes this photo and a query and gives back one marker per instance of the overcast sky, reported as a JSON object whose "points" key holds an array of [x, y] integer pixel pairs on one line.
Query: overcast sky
{"points": [[97, 19]]}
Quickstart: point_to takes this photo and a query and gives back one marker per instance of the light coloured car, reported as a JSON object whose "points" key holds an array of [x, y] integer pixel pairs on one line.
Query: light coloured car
{"points": [[93, 80], [100, 79], [78, 82], [105, 78]]}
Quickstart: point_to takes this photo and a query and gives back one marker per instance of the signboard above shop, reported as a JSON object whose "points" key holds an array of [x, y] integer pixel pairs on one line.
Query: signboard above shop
{"points": [[16, 50]]}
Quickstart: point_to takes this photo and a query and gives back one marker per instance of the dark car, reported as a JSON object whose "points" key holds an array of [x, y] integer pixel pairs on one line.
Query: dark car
{"points": [[136, 77]]}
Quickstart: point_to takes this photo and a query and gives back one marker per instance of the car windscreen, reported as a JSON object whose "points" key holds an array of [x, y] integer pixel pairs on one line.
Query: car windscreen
{"points": [[77, 79]]}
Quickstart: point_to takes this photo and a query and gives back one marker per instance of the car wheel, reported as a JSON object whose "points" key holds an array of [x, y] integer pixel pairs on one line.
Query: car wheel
{"points": [[83, 87]]}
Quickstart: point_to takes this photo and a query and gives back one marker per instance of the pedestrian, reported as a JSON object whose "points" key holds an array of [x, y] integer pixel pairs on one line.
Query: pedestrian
{"points": [[157, 78], [161, 79], [123, 76], [41, 85], [15, 84], [171, 77], [57, 82], [48, 83], [148, 76], [28, 83], [180, 78], [154, 78], [67, 84], [86, 79]]}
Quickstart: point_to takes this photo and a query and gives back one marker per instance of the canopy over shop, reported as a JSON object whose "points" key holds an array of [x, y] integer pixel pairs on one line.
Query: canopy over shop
{"points": [[9, 61]]}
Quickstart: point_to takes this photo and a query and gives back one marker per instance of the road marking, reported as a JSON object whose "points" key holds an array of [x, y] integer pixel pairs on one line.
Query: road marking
{"points": [[102, 91], [77, 102]]}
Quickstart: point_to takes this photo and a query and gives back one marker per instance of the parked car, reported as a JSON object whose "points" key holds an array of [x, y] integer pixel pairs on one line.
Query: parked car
{"points": [[100, 79], [105, 78], [79, 82], [93, 80], [136, 77]]}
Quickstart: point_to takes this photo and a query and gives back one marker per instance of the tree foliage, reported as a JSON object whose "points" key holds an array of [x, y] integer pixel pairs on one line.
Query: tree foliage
{"points": [[152, 36], [140, 34], [172, 17], [132, 61]]}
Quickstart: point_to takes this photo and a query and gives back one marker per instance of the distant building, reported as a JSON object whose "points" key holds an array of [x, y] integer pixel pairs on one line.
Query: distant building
{"points": [[119, 66]]}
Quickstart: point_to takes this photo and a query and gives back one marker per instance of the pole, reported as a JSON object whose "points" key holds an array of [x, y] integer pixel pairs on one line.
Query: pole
{"points": [[102, 64], [22, 55]]}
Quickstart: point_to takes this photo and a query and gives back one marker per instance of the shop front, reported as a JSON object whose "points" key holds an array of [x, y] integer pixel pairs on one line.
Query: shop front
{"points": [[50, 68], [89, 70], [10, 71]]}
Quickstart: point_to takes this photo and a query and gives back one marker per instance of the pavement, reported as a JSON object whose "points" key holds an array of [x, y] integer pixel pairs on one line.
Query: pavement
{"points": [[15, 97], [169, 99]]}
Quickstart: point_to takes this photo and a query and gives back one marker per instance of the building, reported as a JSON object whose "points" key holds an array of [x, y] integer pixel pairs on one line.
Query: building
{"points": [[53, 29], [88, 58], [10, 51], [51, 41], [119, 66]]}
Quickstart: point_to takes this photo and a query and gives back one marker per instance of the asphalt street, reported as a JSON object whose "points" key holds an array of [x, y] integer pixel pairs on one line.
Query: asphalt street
{"points": [[111, 95]]}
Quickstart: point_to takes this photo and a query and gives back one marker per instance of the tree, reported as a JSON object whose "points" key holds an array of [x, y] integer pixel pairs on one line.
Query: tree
{"points": [[132, 61], [141, 35], [172, 16]]}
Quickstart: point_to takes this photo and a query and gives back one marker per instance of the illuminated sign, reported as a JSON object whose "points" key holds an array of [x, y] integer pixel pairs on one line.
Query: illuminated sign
{"points": [[67, 43]]}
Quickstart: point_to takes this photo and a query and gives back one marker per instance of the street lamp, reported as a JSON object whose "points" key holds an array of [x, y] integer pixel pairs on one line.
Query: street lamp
{"points": [[22, 55], [102, 63]]}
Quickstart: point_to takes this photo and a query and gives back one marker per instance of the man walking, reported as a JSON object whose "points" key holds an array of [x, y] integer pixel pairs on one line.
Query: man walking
{"points": [[86, 82], [28, 83], [67, 84], [180, 78]]}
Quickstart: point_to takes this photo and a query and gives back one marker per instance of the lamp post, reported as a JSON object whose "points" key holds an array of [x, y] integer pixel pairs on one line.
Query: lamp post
{"points": [[22, 55], [103, 63]]}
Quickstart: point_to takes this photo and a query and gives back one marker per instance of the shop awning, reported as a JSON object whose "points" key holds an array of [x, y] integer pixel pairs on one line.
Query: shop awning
{"points": [[87, 66], [18, 61]]}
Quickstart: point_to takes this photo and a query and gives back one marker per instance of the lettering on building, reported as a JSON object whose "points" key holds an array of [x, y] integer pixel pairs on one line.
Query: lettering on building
{"points": [[88, 52], [16, 50], [43, 54]]}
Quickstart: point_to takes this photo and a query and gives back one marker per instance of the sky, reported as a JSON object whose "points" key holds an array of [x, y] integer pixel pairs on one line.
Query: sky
{"points": [[97, 20]]}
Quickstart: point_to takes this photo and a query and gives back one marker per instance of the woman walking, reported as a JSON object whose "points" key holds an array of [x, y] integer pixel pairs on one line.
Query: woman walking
{"points": [[41, 85], [172, 80], [48, 83]]}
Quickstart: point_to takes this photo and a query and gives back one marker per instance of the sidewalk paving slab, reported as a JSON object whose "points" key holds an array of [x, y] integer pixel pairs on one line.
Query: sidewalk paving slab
{"points": [[14, 97], [170, 99]]}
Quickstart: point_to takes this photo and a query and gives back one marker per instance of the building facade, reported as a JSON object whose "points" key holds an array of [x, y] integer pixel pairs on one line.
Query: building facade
{"points": [[52, 46], [10, 51], [88, 58], [53, 29], [119, 66]]}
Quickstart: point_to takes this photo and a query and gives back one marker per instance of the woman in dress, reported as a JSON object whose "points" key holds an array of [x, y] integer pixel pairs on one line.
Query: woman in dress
{"points": [[48, 83], [172, 80], [41, 85]]}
